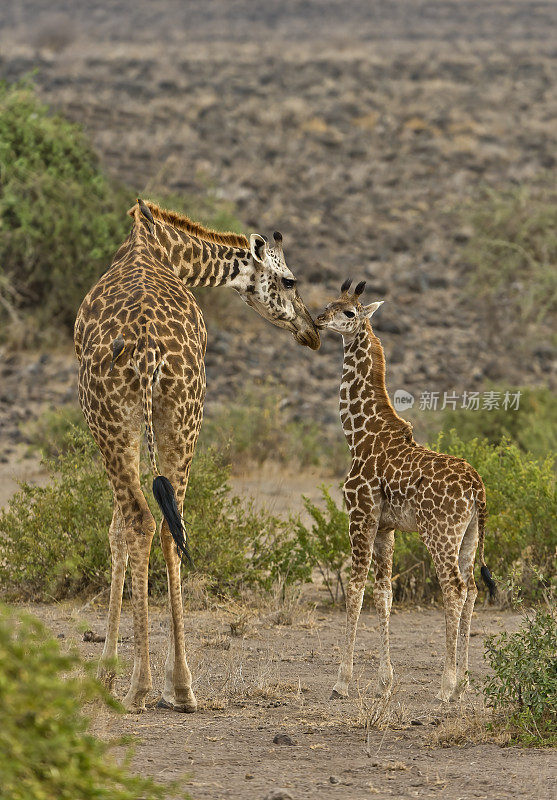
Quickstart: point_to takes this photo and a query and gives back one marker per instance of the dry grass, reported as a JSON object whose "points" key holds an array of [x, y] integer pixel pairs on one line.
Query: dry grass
{"points": [[287, 607], [381, 712], [468, 724], [239, 677]]}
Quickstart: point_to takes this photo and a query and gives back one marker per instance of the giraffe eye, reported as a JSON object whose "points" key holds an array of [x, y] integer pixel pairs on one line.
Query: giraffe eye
{"points": [[349, 314], [288, 283]]}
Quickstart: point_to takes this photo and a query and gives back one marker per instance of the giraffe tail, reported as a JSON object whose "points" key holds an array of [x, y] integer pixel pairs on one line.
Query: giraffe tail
{"points": [[481, 512], [163, 491]]}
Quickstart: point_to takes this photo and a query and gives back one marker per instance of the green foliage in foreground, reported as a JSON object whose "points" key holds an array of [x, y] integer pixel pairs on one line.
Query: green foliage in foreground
{"points": [[54, 542], [46, 752], [513, 251], [521, 531], [523, 681]]}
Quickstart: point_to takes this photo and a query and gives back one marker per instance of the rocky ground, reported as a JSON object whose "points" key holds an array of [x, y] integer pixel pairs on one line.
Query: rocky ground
{"points": [[353, 127]]}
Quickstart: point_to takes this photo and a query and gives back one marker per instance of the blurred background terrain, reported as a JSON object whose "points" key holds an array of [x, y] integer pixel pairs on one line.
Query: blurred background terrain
{"points": [[388, 141]]}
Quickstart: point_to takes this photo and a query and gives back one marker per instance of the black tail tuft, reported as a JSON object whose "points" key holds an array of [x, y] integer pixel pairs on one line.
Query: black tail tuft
{"points": [[165, 497], [489, 582]]}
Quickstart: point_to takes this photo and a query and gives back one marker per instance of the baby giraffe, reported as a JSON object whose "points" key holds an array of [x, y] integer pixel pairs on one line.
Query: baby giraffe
{"points": [[394, 483]]}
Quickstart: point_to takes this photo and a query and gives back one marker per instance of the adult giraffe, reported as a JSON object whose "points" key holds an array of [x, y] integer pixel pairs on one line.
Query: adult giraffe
{"points": [[140, 340]]}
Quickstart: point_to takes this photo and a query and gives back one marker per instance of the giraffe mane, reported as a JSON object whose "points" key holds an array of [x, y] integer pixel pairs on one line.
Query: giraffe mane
{"points": [[183, 223], [378, 378]]}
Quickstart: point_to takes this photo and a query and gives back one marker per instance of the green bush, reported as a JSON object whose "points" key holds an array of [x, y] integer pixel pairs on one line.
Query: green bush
{"points": [[54, 539], [523, 681], [46, 752], [324, 547], [533, 426], [513, 250], [521, 535], [60, 218], [256, 428], [521, 503], [48, 433]]}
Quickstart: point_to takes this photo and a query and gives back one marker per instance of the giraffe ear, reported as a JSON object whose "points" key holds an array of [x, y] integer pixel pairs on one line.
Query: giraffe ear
{"points": [[258, 247], [369, 311]]}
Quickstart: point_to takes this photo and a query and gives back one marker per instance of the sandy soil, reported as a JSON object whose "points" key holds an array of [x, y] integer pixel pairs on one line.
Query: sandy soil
{"points": [[277, 679]]}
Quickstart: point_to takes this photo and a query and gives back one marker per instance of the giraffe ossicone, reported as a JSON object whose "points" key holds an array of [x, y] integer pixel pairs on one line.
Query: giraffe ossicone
{"points": [[140, 341], [394, 483]]}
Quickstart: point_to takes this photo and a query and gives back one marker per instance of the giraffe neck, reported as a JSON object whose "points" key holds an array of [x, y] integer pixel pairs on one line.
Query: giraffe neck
{"points": [[365, 408], [198, 262]]}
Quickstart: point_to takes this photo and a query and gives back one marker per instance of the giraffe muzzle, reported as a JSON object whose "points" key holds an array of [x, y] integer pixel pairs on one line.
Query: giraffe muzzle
{"points": [[309, 338]]}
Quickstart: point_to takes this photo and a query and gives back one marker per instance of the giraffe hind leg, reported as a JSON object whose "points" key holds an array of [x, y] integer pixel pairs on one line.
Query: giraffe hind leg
{"points": [[454, 589], [176, 437], [466, 559], [137, 530]]}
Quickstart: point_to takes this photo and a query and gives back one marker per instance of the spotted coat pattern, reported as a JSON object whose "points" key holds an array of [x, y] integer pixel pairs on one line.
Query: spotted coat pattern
{"points": [[394, 483], [140, 340]]}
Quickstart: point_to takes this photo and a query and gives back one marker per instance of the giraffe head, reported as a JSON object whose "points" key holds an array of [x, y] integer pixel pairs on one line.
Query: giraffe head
{"points": [[346, 315], [272, 291]]}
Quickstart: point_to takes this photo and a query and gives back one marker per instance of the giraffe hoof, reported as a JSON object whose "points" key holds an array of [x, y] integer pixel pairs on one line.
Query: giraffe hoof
{"points": [[337, 695], [132, 709], [162, 703], [184, 708]]}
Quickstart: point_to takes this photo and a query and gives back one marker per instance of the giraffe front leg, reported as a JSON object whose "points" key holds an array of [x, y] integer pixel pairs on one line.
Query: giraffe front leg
{"points": [[362, 532], [383, 547], [106, 671]]}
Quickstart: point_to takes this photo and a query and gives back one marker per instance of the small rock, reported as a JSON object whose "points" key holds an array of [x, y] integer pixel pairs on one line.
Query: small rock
{"points": [[416, 722], [61, 636], [278, 794], [332, 779], [91, 636], [284, 738]]}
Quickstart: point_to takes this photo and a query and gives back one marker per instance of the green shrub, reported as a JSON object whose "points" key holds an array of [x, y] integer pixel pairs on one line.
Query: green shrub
{"points": [[533, 426], [521, 503], [256, 428], [48, 433], [325, 547], [60, 218], [54, 539], [46, 751], [523, 681], [513, 250]]}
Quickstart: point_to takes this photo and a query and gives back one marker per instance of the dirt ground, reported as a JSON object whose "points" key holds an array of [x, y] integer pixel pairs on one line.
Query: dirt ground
{"points": [[277, 678]]}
